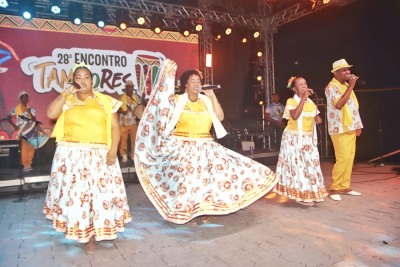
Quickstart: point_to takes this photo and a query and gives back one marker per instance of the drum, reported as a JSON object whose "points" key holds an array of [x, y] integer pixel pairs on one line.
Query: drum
{"points": [[138, 111], [30, 134]]}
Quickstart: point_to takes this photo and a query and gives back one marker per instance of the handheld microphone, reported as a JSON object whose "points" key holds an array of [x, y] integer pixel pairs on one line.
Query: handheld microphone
{"points": [[210, 87], [311, 91], [74, 84]]}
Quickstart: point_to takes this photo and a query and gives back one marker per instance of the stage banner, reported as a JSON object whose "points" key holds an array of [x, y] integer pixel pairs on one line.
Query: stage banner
{"points": [[38, 56]]}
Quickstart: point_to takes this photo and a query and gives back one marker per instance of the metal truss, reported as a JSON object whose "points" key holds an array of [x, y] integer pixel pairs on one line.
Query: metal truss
{"points": [[301, 9], [169, 12]]}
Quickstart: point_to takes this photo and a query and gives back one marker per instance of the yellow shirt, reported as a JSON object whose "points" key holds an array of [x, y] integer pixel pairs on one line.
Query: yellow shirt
{"points": [[91, 125], [309, 112], [195, 121]]}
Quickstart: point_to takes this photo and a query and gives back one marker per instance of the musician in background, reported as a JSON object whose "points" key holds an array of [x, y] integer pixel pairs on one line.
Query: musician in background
{"points": [[273, 114], [23, 114], [128, 120]]}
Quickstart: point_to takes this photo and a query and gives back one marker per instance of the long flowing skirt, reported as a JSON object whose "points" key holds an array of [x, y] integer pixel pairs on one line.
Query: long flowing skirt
{"points": [[86, 197], [185, 178], [299, 169]]}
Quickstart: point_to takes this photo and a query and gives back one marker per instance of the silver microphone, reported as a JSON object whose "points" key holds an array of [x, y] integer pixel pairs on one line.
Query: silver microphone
{"points": [[311, 91], [210, 87]]}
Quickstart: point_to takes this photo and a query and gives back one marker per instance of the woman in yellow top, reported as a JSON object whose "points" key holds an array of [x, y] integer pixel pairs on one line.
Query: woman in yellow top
{"points": [[183, 171], [298, 168], [86, 195]]}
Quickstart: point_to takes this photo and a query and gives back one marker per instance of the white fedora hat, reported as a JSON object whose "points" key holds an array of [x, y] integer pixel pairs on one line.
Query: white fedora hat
{"points": [[338, 64]]}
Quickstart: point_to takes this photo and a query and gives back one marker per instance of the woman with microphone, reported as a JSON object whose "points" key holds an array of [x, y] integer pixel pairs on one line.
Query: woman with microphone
{"points": [[298, 168], [184, 172]]}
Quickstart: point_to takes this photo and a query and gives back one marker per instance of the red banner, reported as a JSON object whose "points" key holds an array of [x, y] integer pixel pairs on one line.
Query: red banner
{"points": [[38, 57]]}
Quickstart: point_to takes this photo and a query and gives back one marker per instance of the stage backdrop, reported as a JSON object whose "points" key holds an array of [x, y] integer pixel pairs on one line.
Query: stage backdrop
{"points": [[38, 56]]}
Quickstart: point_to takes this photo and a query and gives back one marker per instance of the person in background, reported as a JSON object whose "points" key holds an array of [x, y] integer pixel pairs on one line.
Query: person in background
{"points": [[128, 121], [23, 114], [183, 171], [298, 168], [86, 197], [273, 114], [344, 125]]}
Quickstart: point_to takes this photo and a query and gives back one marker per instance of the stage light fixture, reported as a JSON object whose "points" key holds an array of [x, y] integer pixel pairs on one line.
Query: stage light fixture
{"points": [[141, 20], [217, 31], [122, 18], [100, 16], [55, 7], [27, 9], [3, 3], [256, 34], [157, 25], [185, 27], [198, 27], [228, 31], [75, 12], [325, 2]]}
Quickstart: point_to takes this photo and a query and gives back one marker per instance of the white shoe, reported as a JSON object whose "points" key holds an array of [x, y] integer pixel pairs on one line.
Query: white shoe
{"points": [[354, 193], [27, 168], [124, 159], [335, 197]]}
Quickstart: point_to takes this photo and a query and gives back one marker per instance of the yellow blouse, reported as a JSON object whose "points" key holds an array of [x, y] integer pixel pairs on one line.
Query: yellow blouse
{"points": [[309, 112], [195, 121]]}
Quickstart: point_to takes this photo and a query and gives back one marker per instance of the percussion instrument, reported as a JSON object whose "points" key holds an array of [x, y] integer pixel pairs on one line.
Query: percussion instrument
{"points": [[138, 111], [36, 138]]}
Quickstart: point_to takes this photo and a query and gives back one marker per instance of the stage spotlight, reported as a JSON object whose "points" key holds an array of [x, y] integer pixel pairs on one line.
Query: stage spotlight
{"points": [[256, 34], [228, 31], [3, 3], [185, 27], [141, 20], [217, 32], [27, 9], [198, 27], [325, 2], [122, 18], [55, 7], [243, 34], [100, 16], [157, 24], [75, 12], [260, 49]]}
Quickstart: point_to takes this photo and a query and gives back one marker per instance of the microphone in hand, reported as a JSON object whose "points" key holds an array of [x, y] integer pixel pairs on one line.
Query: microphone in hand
{"points": [[210, 87]]}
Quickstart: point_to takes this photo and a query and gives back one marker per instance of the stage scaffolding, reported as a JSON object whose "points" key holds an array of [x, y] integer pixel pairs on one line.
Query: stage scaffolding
{"points": [[266, 20]]}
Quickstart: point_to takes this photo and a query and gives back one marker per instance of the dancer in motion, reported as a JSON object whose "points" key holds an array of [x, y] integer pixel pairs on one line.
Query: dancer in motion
{"points": [[183, 171], [86, 196]]}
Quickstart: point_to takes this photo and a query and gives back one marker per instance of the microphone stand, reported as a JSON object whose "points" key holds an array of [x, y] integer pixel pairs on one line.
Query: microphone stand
{"points": [[380, 164]]}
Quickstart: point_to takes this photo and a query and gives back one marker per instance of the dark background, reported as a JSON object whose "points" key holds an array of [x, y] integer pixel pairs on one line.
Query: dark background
{"points": [[364, 32]]}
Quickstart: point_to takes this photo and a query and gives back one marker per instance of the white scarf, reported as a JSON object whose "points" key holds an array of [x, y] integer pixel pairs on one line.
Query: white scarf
{"points": [[219, 128]]}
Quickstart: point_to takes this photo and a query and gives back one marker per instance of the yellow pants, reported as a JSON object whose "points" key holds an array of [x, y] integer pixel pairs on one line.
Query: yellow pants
{"points": [[345, 150], [27, 153], [123, 144]]}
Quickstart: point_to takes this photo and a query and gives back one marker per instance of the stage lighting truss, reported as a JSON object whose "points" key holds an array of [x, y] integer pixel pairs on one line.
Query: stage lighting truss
{"points": [[55, 7], [100, 16], [75, 12], [27, 9], [4, 3]]}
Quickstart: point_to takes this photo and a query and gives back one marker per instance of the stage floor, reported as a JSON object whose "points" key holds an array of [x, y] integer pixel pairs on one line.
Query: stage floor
{"points": [[357, 231]]}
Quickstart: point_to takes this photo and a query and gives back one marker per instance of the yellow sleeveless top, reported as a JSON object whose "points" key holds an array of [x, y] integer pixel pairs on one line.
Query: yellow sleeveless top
{"points": [[195, 121], [309, 112], [91, 125]]}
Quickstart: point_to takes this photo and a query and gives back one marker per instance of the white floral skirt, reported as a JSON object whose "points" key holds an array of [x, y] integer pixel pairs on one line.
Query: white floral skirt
{"points": [[86, 197], [299, 169], [185, 178]]}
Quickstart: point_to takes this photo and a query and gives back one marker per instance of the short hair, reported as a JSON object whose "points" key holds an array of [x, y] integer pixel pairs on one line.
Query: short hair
{"points": [[186, 75]]}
